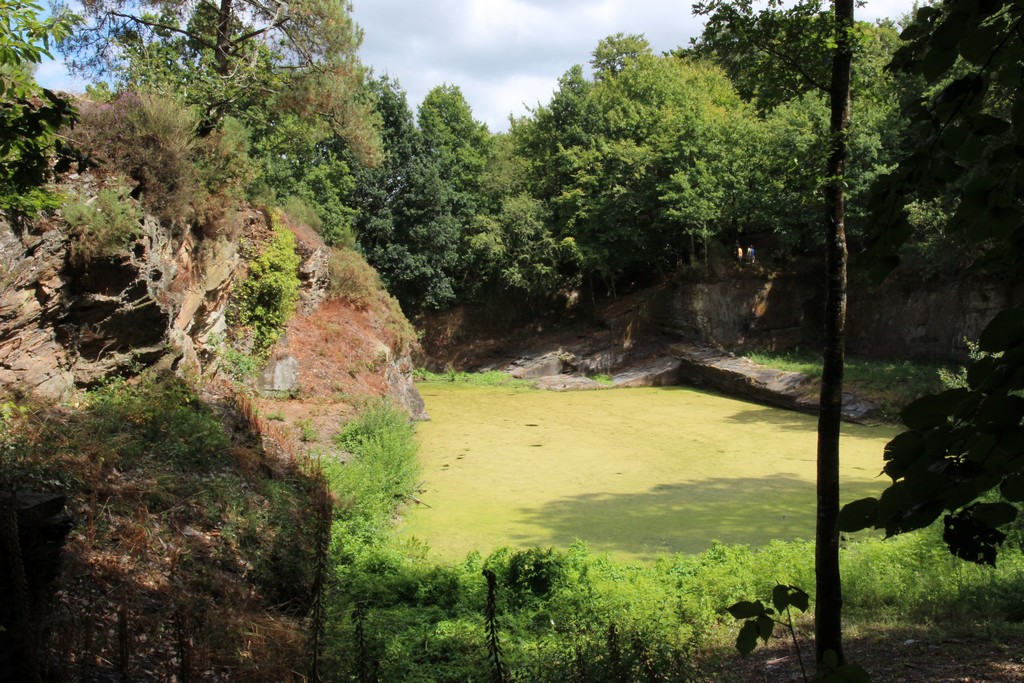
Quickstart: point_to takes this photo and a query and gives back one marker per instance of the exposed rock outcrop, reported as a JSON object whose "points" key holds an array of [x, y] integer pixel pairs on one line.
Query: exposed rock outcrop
{"points": [[782, 311], [402, 389], [68, 323], [742, 378]]}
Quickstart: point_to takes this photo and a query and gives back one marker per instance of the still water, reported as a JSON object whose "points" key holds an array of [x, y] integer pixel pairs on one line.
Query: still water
{"points": [[633, 472]]}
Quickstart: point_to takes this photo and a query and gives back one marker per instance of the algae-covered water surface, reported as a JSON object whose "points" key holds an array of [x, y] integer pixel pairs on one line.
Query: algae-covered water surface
{"points": [[633, 472]]}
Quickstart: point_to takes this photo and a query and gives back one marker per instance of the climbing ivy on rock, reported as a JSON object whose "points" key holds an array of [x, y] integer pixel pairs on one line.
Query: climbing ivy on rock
{"points": [[267, 298]]}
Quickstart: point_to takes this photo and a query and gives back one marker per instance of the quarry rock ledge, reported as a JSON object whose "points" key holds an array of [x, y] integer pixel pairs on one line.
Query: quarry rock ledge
{"points": [[697, 366]]}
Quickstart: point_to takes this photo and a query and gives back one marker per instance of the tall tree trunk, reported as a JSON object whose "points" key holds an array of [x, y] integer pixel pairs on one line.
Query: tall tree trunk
{"points": [[829, 603], [223, 36]]}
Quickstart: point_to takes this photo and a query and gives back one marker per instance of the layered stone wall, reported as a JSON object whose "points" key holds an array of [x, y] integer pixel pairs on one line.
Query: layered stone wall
{"points": [[894, 320]]}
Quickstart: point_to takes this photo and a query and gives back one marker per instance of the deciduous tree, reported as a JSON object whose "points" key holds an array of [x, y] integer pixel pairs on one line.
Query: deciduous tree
{"points": [[30, 116]]}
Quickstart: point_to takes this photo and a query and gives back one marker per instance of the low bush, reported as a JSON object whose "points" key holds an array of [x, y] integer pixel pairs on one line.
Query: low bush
{"points": [[154, 139], [105, 226], [159, 418], [380, 474], [353, 279], [150, 138], [300, 210], [357, 282]]}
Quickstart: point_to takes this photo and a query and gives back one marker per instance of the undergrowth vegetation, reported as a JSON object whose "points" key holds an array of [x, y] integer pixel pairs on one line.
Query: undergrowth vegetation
{"points": [[154, 139], [103, 227], [150, 471], [490, 378], [191, 554]]}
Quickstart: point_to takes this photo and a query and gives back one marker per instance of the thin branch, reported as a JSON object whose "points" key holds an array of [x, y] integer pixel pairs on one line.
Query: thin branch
{"points": [[158, 25], [237, 42]]}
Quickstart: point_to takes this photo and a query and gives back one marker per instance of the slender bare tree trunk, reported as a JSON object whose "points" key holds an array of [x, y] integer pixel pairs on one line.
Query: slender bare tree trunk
{"points": [[828, 632]]}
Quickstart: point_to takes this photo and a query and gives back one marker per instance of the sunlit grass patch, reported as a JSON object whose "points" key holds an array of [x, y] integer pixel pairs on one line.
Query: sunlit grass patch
{"points": [[490, 378], [890, 384]]}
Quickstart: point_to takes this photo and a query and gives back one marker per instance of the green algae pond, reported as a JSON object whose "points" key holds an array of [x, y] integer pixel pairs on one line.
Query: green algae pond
{"points": [[632, 472]]}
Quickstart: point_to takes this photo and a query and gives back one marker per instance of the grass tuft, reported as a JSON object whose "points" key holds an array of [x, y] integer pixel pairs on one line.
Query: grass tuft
{"points": [[891, 385]]}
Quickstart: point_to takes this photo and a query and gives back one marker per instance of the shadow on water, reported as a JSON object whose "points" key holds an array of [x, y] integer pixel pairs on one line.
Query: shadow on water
{"points": [[681, 517], [775, 418]]}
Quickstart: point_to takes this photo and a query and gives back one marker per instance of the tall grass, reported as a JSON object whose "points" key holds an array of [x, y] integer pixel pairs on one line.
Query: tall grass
{"points": [[488, 378], [379, 475]]}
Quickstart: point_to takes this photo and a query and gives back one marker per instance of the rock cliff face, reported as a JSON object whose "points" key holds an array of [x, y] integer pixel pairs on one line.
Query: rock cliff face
{"points": [[895, 320], [67, 325], [683, 334]]}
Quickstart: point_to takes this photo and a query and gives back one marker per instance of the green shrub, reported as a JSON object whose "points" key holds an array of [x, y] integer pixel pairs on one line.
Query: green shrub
{"points": [[154, 139], [160, 418], [151, 138], [237, 364], [381, 473], [104, 227], [21, 464], [353, 279], [28, 201], [266, 298], [357, 282]]}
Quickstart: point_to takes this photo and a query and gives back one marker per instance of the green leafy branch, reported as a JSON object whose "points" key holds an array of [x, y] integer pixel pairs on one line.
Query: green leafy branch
{"points": [[759, 622], [959, 445]]}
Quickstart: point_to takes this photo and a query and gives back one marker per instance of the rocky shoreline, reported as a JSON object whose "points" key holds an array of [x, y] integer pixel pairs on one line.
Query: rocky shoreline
{"points": [[688, 365]]}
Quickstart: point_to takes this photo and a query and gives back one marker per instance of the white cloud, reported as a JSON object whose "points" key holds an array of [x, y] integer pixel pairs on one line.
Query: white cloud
{"points": [[53, 74], [504, 53]]}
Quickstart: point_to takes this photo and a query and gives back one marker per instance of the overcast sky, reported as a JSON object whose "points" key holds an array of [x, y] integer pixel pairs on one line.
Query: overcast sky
{"points": [[505, 55]]}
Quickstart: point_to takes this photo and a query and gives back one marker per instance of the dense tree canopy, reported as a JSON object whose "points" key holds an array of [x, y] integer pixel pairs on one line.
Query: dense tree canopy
{"points": [[29, 115], [234, 57], [638, 165]]}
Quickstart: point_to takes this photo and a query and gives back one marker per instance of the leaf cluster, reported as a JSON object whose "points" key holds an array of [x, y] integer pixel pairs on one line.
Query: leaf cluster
{"points": [[266, 299], [759, 621], [772, 56], [959, 445], [30, 116], [965, 132]]}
